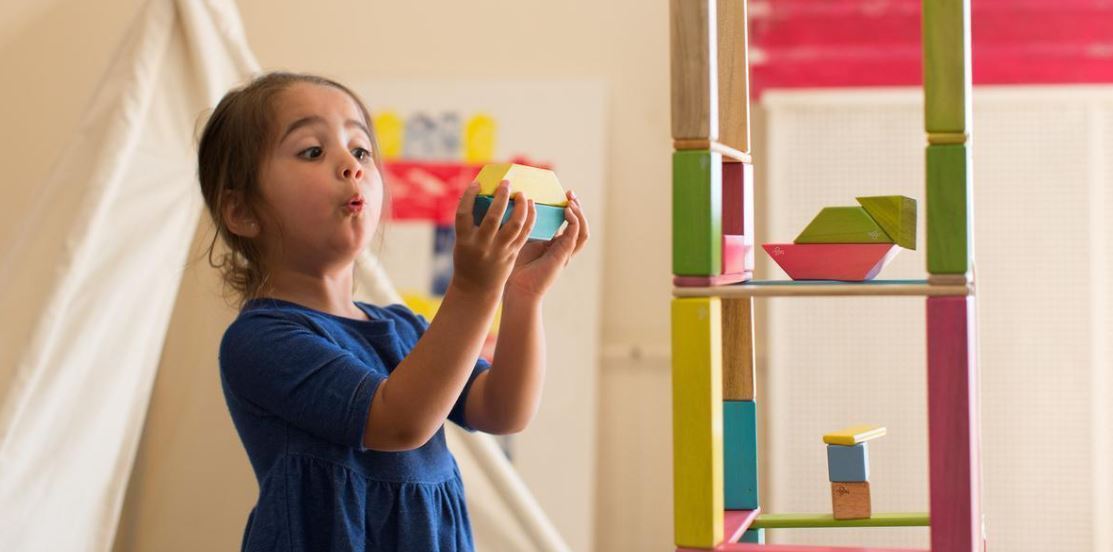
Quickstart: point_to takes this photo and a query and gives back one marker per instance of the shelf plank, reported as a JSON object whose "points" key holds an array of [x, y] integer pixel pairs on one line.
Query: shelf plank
{"points": [[815, 288], [802, 521], [743, 547]]}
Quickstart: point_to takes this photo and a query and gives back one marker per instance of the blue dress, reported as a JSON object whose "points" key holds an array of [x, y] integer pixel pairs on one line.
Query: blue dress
{"points": [[299, 384]]}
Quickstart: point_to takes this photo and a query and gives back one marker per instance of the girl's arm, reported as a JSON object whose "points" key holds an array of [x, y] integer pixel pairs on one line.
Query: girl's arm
{"points": [[505, 398], [413, 403]]}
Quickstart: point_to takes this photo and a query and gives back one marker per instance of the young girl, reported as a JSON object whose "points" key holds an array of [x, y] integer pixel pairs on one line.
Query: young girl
{"points": [[340, 404]]}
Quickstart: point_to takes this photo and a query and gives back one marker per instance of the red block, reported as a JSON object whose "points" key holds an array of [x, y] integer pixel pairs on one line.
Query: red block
{"points": [[738, 209], [736, 250], [852, 262]]}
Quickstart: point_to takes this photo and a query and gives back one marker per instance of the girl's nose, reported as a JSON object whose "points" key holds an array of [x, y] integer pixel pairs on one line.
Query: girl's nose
{"points": [[353, 172]]}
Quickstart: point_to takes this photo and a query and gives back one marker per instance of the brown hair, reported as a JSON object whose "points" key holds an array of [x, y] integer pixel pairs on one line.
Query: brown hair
{"points": [[232, 147]]}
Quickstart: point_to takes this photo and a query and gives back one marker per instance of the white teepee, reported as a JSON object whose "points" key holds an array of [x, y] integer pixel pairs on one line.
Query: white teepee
{"points": [[109, 233]]}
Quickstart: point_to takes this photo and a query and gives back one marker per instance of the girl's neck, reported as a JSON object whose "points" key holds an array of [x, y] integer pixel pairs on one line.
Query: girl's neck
{"points": [[327, 292]]}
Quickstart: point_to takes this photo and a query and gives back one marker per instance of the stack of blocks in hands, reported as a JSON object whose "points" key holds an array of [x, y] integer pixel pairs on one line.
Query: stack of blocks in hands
{"points": [[540, 185], [849, 243], [848, 468]]}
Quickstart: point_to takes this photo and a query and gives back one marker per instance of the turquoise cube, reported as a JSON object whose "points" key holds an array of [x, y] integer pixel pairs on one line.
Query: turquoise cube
{"points": [[549, 217], [756, 536], [848, 464], [740, 455]]}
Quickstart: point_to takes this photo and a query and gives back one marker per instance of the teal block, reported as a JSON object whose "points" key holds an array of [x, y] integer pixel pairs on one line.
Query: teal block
{"points": [[697, 211], [756, 536], [950, 235], [740, 455], [947, 67], [549, 217], [848, 463]]}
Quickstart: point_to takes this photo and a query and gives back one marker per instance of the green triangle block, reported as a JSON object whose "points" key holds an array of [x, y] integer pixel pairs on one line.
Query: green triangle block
{"points": [[843, 225], [896, 215]]}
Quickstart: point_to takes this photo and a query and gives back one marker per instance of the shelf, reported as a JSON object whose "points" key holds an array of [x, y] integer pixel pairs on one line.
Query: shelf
{"points": [[741, 547], [800, 521], [821, 288]]}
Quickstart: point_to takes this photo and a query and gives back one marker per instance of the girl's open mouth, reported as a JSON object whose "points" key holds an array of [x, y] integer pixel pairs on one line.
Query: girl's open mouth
{"points": [[355, 204]]}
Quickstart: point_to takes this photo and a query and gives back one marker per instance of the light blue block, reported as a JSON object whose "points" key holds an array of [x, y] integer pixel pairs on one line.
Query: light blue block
{"points": [[756, 536], [848, 464], [549, 217], [740, 455]]}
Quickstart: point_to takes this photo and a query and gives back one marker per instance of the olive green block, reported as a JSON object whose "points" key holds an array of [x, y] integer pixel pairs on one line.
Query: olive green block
{"points": [[950, 245], [843, 225], [947, 82], [697, 208], [896, 215]]}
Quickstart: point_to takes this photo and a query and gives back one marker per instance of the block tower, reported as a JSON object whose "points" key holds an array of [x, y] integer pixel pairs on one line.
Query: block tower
{"points": [[715, 446]]}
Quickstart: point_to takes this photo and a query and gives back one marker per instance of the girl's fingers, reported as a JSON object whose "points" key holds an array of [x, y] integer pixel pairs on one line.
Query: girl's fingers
{"points": [[465, 220], [510, 230], [581, 239], [491, 220], [531, 219]]}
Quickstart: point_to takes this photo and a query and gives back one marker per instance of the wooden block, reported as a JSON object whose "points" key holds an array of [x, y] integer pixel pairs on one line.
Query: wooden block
{"points": [[896, 215], [697, 429], [738, 206], [805, 521], [697, 232], [851, 262], [947, 83], [953, 425], [694, 75], [738, 349], [754, 535], [711, 281], [734, 75], [850, 500], [737, 522], [740, 455], [948, 137], [751, 547], [548, 221], [729, 154], [540, 185], [736, 250], [843, 225], [949, 210], [854, 434], [848, 463]]}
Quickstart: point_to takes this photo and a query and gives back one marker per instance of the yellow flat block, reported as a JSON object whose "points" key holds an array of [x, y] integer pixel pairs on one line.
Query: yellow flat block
{"points": [[697, 421], [853, 435], [540, 185]]}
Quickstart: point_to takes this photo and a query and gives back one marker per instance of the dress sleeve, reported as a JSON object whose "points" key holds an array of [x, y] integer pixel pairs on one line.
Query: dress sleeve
{"points": [[283, 368], [457, 415]]}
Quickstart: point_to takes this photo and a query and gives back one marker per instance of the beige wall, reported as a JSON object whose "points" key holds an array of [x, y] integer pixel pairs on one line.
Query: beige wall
{"points": [[54, 52]]}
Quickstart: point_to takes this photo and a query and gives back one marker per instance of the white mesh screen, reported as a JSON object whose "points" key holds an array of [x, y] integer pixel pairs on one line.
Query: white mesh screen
{"points": [[1042, 266]]}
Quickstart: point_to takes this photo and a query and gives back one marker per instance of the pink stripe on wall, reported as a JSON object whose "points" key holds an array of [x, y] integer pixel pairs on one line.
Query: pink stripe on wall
{"points": [[846, 43]]}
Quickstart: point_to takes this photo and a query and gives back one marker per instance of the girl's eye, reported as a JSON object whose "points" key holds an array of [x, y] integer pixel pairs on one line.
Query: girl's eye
{"points": [[361, 153], [310, 153]]}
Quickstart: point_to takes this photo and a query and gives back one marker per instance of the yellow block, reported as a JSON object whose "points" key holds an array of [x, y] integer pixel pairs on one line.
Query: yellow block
{"points": [[853, 435], [697, 421], [390, 133], [479, 139], [540, 185], [428, 305]]}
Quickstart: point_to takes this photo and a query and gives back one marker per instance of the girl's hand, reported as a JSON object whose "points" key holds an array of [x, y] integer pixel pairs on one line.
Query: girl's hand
{"points": [[485, 254], [540, 262]]}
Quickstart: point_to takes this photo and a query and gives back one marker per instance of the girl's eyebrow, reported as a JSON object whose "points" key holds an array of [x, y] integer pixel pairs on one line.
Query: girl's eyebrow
{"points": [[317, 120]]}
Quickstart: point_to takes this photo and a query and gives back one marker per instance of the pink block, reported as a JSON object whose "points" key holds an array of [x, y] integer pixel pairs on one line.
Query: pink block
{"points": [[735, 522], [954, 442], [710, 281], [737, 250], [852, 262], [749, 547]]}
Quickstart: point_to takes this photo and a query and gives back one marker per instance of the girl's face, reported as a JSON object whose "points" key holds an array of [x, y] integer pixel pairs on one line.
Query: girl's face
{"points": [[323, 193]]}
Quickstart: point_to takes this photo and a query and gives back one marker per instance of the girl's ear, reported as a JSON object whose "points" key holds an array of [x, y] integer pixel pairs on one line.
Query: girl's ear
{"points": [[238, 217]]}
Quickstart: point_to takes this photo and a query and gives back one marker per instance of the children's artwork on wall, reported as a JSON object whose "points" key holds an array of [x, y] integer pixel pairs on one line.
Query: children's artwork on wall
{"points": [[434, 137]]}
